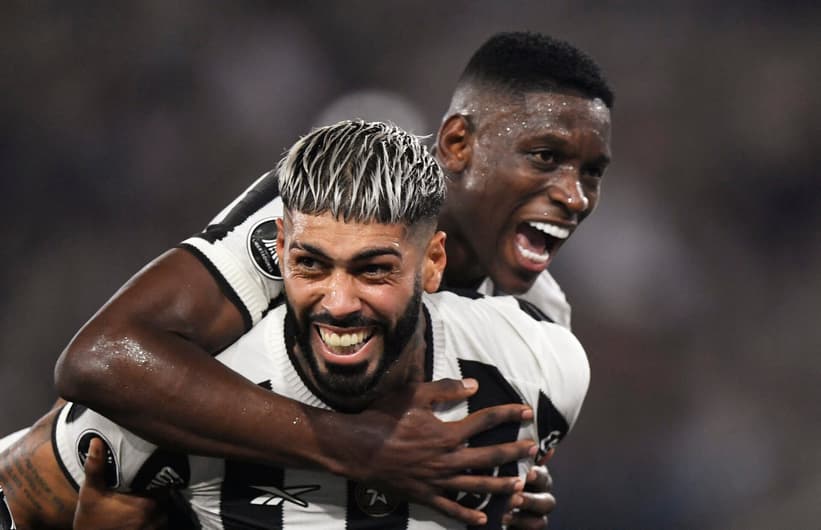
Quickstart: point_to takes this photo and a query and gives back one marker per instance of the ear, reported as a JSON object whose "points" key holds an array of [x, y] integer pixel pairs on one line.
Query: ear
{"points": [[454, 143], [435, 261]]}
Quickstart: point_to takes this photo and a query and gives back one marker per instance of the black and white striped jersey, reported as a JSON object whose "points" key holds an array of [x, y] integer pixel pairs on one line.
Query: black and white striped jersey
{"points": [[515, 358], [238, 246]]}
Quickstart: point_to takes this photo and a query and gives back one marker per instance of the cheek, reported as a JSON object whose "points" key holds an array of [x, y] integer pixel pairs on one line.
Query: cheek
{"points": [[386, 301]]}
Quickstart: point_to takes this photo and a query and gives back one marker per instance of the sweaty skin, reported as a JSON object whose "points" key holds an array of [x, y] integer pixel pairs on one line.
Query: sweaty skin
{"points": [[537, 158]]}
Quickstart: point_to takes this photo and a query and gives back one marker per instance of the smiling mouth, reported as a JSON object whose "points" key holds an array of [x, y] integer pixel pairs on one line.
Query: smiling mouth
{"points": [[344, 343], [536, 240]]}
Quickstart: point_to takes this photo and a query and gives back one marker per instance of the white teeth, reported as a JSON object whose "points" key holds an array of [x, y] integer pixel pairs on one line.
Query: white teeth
{"points": [[335, 340], [551, 230], [532, 256]]}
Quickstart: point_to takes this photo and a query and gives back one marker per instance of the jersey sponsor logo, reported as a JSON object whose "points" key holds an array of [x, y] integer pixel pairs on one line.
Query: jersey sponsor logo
{"points": [[262, 247], [112, 474], [273, 496], [374, 502]]}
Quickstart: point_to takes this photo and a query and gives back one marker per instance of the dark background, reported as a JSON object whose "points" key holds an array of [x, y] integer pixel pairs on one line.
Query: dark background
{"points": [[124, 127]]}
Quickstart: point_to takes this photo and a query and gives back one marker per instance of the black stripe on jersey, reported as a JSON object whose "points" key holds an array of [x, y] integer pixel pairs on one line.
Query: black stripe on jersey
{"points": [[428, 345], [163, 469], [533, 311], [225, 287], [371, 509], [248, 496], [75, 412], [261, 194], [493, 390], [59, 460], [552, 425]]}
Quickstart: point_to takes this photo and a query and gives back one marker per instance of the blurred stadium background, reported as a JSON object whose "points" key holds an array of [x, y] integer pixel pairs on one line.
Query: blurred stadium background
{"points": [[126, 126]]}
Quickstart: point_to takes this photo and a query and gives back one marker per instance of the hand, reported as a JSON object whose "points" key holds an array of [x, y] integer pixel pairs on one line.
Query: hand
{"points": [[531, 507], [99, 508], [411, 452]]}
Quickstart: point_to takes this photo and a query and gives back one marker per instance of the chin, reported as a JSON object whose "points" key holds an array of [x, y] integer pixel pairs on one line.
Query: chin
{"points": [[512, 283]]}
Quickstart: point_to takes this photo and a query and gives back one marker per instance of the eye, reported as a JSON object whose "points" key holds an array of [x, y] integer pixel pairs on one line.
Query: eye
{"points": [[305, 261], [376, 271], [544, 156], [592, 175], [307, 264]]}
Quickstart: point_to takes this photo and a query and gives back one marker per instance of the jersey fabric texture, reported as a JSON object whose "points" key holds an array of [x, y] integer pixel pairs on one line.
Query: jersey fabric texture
{"points": [[238, 247], [465, 338]]}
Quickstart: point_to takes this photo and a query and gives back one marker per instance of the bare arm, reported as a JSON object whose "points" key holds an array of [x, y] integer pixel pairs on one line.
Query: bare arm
{"points": [[145, 360]]}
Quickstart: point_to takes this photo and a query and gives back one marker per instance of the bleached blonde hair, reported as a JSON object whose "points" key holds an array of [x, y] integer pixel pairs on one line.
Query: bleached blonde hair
{"points": [[363, 172]]}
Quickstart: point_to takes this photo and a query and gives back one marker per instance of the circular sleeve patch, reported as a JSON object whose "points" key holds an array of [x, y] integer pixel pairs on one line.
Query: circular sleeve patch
{"points": [[112, 474], [262, 247]]}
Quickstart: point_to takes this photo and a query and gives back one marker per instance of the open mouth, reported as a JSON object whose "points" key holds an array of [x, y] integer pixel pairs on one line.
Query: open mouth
{"points": [[535, 240], [344, 344]]}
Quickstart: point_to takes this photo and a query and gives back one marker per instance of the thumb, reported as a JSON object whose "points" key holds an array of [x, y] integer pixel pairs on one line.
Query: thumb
{"points": [[95, 465]]}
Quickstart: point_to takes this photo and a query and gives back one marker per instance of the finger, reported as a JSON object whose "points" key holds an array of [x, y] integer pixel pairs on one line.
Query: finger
{"points": [[490, 417], [445, 390], [537, 503], [489, 456], [95, 465], [457, 511], [539, 480], [481, 484], [524, 521]]}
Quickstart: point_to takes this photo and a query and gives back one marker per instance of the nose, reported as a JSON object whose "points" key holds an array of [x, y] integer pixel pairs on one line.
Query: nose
{"points": [[567, 191], [340, 296]]}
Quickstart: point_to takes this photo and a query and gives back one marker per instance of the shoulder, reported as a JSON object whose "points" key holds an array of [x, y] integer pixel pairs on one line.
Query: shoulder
{"points": [[547, 295], [496, 331], [238, 248]]}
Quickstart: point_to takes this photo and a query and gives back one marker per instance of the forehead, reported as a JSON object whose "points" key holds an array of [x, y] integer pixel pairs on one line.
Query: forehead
{"points": [[340, 239], [536, 113]]}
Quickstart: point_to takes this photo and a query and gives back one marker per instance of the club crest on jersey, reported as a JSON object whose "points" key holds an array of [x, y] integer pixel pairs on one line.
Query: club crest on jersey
{"points": [[112, 474], [374, 502], [262, 247]]}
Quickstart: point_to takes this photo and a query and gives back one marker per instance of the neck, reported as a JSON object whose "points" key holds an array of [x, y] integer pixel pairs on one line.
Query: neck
{"points": [[463, 270]]}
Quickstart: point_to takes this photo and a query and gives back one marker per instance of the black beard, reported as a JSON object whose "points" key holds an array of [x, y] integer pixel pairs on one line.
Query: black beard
{"points": [[351, 380]]}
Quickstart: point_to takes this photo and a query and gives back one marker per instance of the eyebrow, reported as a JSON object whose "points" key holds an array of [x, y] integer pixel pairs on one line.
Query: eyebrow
{"points": [[361, 256], [560, 141]]}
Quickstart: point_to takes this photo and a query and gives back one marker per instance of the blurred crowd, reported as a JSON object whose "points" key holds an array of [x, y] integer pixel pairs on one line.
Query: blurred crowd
{"points": [[125, 127]]}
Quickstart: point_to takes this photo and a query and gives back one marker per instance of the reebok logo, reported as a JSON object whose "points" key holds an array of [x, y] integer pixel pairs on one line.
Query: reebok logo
{"points": [[274, 496]]}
